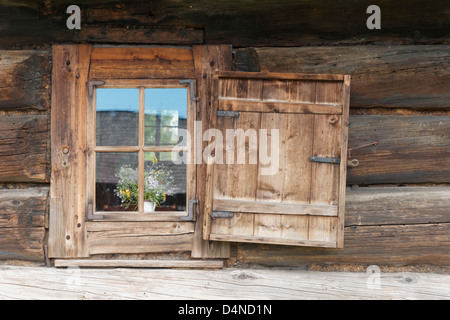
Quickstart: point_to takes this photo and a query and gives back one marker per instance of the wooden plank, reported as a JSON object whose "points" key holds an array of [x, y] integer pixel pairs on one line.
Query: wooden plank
{"points": [[281, 76], [410, 149], [141, 63], [67, 234], [207, 60], [139, 237], [273, 240], [326, 143], [22, 223], [158, 264], [394, 76], [25, 79], [344, 160], [278, 107], [273, 207], [228, 284], [23, 148]]}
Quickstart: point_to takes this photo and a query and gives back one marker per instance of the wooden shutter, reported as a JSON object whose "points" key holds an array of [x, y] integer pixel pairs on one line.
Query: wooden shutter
{"points": [[302, 203]]}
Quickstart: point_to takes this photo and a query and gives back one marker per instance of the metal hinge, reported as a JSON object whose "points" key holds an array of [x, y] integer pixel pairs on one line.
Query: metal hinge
{"points": [[222, 214], [91, 84], [91, 215], [325, 160], [235, 114], [191, 84], [190, 216]]}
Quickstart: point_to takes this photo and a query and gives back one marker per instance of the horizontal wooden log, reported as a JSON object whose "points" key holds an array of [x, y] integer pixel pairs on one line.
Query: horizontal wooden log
{"points": [[23, 148], [395, 225], [22, 222], [409, 149], [139, 237], [24, 79], [394, 76], [397, 205], [140, 35], [385, 245], [241, 23]]}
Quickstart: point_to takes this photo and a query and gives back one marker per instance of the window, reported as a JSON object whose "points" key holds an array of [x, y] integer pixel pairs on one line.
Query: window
{"points": [[111, 136], [139, 167]]}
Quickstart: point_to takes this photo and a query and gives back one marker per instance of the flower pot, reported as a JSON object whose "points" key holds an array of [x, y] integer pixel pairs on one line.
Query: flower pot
{"points": [[149, 206]]}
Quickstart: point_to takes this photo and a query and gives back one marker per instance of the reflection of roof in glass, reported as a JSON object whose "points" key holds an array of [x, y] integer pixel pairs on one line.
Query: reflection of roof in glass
{"points": [[156, 100]]}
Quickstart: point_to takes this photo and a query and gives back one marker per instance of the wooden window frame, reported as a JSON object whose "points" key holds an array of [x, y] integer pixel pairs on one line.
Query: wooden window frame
{"points": [[139, 216]]}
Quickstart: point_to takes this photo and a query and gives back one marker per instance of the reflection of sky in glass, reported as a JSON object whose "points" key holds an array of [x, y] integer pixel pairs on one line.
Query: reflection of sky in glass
{"points": [[118, 100], [169, 102]]}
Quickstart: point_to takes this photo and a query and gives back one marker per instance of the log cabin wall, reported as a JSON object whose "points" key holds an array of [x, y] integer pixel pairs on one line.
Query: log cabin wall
{"points": [[398, 199]]}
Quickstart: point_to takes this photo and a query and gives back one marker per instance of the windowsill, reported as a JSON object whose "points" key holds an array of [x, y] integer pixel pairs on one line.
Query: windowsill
{"points": [[138, 217]]}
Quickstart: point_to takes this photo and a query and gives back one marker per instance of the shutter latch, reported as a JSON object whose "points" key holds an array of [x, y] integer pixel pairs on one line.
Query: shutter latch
{"points": [[325, 160], [222, 214], [234, 114]]}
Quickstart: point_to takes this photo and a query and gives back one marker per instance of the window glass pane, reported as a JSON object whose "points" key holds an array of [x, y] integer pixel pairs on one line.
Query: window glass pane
{"points": [[116, 181], [165, 181], [117, 117], [165, 115]]}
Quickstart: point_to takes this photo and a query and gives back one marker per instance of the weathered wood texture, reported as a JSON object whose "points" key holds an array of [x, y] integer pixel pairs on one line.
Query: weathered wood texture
{"points": [[141, 63], [25, 79], [241, 23], [382, 76], [139, 237], [23, 148], [207, 61], [410, 149], [67, 235], [230, 284], [395, 226], [22, 222], [292, 201]]}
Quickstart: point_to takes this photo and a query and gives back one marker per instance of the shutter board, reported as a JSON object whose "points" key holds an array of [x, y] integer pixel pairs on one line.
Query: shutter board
{"points": [[302, 202]]}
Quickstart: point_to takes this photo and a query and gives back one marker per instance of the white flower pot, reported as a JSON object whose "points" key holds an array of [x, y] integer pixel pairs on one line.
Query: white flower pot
{"points": [[149, 206]]}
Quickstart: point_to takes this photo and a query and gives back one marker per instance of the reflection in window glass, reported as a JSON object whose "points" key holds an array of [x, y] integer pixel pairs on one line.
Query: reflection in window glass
{"points": [[165, 181], [116, 182], [165, 114], [117, 117]]}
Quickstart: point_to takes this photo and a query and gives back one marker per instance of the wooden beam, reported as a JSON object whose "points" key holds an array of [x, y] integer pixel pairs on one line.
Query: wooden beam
{"points": [[68, 205], [25, 79], [409, 149], [241, 23], [22, 223], [183, 264], [207, 60], [394, 76], [397, 205], [142, 35], [23, 148]]}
